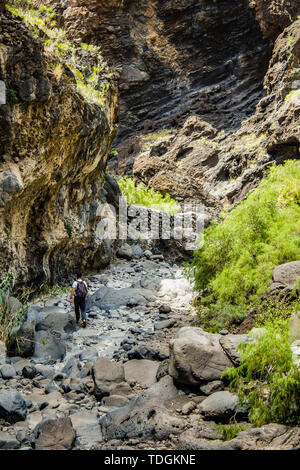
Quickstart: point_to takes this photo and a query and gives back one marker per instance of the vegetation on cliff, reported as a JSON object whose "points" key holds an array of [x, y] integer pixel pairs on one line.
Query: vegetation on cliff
{"points": [[84, 60], [140, 195], [233, 268]]}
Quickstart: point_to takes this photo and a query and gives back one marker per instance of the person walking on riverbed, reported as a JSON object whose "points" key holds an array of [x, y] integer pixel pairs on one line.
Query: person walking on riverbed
{"points": [[79, 291]]}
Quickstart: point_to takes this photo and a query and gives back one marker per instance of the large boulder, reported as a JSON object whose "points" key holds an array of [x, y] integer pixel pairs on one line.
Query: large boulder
{"points": [[286, 275], [48, 347], [8, 442], [106, 375], [54, 434], [142, 371], [142, 419], [107, 298], [221, 406], [230, 345], [12, 406], [197, 357], [22, 342], [57, 321], [87, 428]]}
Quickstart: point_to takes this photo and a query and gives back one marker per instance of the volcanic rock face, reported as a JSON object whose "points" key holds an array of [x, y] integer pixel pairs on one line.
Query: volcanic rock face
{"points": [[199, 163], [53, 148], [176, 57]]}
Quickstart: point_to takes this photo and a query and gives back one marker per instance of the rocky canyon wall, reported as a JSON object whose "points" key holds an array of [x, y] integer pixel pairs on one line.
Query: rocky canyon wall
{"points": [[54, 145], [176, 57]]}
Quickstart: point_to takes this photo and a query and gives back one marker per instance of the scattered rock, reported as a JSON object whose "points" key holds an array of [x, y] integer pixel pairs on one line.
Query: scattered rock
{"points": [[230, 345], [141, 419], [142, 371], [7, 371], [29, 372], [48, 347], [165, 309], [54, 434], [287, 274], [8, 442], [144, 352], [106, 375], [212, 387], [164, 324], [12, 406], [163, 390], [57, 322], [87, 428], [221, 406]]}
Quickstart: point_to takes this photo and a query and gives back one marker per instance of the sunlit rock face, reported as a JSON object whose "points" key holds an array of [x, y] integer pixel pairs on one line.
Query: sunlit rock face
{"points": [[53, 148], [176, 57]]}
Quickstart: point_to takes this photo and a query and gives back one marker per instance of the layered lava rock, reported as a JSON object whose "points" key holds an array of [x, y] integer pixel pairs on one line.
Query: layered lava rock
{"points": [[54, 144]]}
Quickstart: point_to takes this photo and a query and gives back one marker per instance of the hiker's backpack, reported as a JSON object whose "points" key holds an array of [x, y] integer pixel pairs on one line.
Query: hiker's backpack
{"points": [[81, 289]]}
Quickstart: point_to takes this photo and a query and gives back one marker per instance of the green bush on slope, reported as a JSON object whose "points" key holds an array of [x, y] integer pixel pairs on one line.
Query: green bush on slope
{"points": [[234, 267], [267, 380], [140, 195]]}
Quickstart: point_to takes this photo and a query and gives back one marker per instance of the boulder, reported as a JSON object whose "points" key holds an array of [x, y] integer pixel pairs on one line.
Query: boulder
{"points": [[294, 326], [8, 442], [165, 309], [287, 274], [230, 345], [48, 347], [107, 298], [87, 428], [34, 315], [160, 325], [57, 322], [125, 251], [197, 357], [54, 434], [22, 342], [142, 371], [7, 371], [137, 251], [20, 364], [133, 317], [212, 387], [71, 368], [144, 352], [163, 390], [12, 406], [221, 406], [29, 372], [89, 354], [115, 401], [106, 375], [142, 419], [162, 370]]}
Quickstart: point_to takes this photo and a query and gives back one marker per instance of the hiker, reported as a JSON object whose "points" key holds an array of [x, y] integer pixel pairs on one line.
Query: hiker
{"points": [[79, 291]]}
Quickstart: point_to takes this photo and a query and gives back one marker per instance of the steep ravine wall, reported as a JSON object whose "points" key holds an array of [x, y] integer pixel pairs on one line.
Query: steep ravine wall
{"points": [[176, 57], [54, 146]]}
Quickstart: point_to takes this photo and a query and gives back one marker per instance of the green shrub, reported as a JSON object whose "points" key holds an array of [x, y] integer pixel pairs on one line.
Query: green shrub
{"points": [[41, 20], [235, 265], [140, 195], [9, 319], [267, 380], [12, 97], [226, 432]]}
